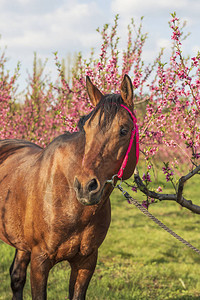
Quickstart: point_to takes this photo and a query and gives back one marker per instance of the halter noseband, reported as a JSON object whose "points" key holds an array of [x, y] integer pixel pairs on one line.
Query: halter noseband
{"points": [[135, 134]]}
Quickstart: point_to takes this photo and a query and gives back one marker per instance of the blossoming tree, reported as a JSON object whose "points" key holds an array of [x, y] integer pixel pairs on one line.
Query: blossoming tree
{"points": [[167, 103]]}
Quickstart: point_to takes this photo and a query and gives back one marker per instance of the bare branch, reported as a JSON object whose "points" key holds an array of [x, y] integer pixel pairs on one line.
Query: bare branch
{"points": [[182, 180], [173, 197], [141, 101]]}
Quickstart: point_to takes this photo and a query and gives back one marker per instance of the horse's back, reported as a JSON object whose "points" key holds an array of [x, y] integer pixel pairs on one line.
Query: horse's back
{"points": [[12, 146], [13, 152], [16, 160]]}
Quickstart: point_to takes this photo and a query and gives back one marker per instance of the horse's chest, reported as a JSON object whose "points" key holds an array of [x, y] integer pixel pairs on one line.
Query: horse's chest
{"points": [[82, 243], [87, 236]]}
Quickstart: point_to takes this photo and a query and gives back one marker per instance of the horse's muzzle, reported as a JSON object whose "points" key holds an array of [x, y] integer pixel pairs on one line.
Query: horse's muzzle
{"points": [[88, 194]]}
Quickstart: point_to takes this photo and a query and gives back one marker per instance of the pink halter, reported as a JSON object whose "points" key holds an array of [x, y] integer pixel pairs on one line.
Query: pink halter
{"points": [[135, 134]]}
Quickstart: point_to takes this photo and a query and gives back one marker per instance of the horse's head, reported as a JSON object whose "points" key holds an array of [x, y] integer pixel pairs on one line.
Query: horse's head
{"points": [[108, 130]]}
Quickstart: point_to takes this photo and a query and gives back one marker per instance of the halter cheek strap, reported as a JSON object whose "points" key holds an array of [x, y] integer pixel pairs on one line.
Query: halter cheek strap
{"points": [[135, 134]]}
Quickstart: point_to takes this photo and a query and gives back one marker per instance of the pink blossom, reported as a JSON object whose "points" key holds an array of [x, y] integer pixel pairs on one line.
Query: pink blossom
{"points": [[134, 189], [159, 189]]}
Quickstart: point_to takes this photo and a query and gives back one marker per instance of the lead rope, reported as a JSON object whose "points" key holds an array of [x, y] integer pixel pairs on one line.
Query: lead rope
{"points": [[148, 214]]}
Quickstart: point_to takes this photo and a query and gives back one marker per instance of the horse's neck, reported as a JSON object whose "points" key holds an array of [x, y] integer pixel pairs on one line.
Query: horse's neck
{"points": [[65, 154]]}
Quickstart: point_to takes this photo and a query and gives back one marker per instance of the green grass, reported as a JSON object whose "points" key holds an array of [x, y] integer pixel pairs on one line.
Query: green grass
{"points": [[138, 260]]}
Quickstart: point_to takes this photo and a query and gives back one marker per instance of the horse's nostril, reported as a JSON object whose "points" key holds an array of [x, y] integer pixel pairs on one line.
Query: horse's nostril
{"points": [[92, 185], [77, 184]]}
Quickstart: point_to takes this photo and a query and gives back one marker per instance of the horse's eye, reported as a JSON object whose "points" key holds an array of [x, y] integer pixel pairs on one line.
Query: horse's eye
{"points": [[123, 131]]}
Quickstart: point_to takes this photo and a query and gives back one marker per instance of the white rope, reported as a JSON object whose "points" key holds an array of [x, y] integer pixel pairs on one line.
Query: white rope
{"points": [[148, 214]]}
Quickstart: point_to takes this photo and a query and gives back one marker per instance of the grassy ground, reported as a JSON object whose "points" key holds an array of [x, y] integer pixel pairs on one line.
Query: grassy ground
{"points": [[138, 260]]}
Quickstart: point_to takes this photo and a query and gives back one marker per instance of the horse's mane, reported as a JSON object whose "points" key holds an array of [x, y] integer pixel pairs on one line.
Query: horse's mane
{"points": [[9, 147], [108, 107]]}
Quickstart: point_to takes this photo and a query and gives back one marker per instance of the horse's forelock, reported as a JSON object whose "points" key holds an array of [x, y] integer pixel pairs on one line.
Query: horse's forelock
{"points": [[107, 107]]}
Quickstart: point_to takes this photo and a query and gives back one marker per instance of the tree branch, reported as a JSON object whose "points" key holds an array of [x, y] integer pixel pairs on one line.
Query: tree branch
{"points": [[141, 101], [182, 180], [178, 198]]}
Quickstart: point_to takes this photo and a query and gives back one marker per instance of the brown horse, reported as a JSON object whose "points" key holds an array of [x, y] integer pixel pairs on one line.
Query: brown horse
{"points": [[54, 202]]}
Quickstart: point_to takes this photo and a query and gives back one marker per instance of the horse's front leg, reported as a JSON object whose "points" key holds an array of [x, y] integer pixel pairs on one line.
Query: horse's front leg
{"points": [[82, 269], [18, 273], [40, 267]]}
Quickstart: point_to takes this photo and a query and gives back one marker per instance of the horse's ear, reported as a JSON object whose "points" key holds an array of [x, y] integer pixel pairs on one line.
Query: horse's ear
{"points": [[94, 94], [127, 91]]}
